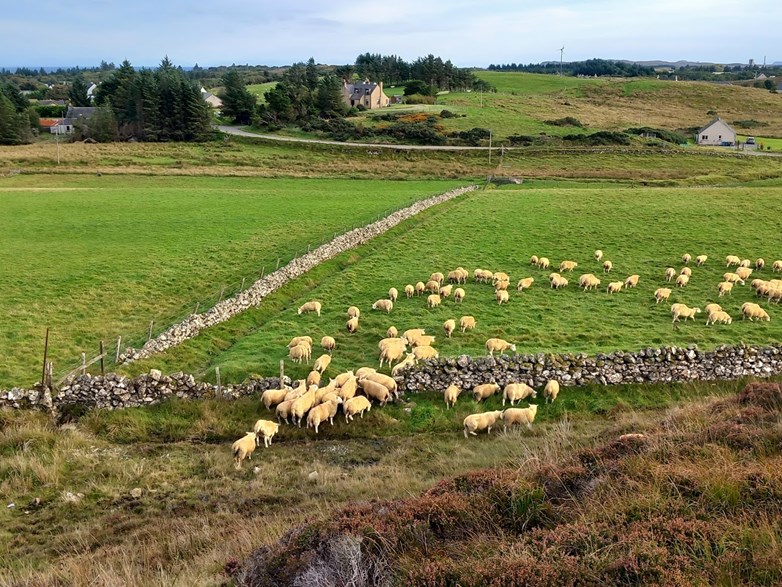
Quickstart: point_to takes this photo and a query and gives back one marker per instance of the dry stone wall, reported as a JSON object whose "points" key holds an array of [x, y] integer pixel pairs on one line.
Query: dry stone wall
{"points": [[654, 365], [251, 297]]}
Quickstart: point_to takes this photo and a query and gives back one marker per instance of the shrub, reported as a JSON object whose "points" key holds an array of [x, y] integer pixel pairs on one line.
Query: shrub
{"points": [[602, 137], [419, 99], [664, 135], [448, 114], [567, 121]]}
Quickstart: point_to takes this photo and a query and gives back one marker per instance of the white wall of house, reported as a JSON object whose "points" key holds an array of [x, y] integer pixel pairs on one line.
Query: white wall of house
{"points": [[716, 134]]}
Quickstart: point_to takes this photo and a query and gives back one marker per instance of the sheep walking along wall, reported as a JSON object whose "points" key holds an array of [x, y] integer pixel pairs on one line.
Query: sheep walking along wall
{"points": [[658, 365], [252, 296]]}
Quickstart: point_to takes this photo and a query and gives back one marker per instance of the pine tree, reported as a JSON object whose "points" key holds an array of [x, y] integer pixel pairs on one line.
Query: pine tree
{"points": [[238, 103], [77, 94], [329, 97]]}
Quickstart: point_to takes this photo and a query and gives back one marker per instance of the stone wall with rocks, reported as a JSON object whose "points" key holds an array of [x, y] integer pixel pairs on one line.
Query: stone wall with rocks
{"points": [[657, 365], [252, 296]]}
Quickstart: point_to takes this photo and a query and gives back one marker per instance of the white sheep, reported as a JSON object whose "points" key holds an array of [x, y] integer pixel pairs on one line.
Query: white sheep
{"points": [[776, 267], [302, 405], [411, 334], [745, 263], [409, 290], [551, 391], [588, 281], [420, 288], [342, 378], [445, 291], [299, 353], [711, 308], [686, 271], [759, 264], [501, 296], [679, 310], [519, 416], [312, 306], [525, 283], [424, 340], [393, 294], [501, 284], [283, 411], [356, 405], [297, 340], [724, 287], [752, 312], [662, 293], [498, 344], [614, 287], [686, 258], [467, 323], [408, 362], [484, 391], [670, 273], [682, 280], [433, 301], [607, 266], [449, 326], [322, 412], [437, 277], [385, 305], [557, 281], [267, 429], [533, 260], [243, 449], [719, 317], [328, 343], [348, 389], [432, 287], [388, 382], [322, 363], [499, 276], [376, 391], [514, 392], [298, 391], [567, 266], [544, 263], [475, 423], [423, 353], [352, 324], [392, 353], [732, 278], [744, 272], [701, 260], [354, 312], [458, 295], [392, 332], [732, 260], [313, 378], [598, 255], [272, 397], [451, 394]]}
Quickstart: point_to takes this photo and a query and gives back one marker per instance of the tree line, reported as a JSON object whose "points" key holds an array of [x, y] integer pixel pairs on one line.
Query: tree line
{"points": [[590, 67]]}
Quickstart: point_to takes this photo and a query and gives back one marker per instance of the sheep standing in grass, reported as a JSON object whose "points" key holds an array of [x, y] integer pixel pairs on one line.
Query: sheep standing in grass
{"points": [[420, 288], [411, 334], [607, 266], [681, 310], [544, 263], [724, 287], [458, 295], [711, 308], [299, 353], [514, 392], [557, 281], [422, 353], [297, 340], [356, 405], [352, 325], [662, 293], [752, 312], [588, 281], [322, 412], [686, 258], [391, 353], [744, 272], [445, 291], [328, 343], [567, 266], [312, 306], [533, 260], [433, 301], [313, 378], [298, 391], [449, 326], [776, 267], [467, 323], [598, 255], [302, 405], [525, 416], [475, 423], [322, 363], [267, 429], [682, 280], [393, 294], [432, 287], [272, 397], [732, 278], [745, 263], [732, 260], [670, 273], [383, 305], [497, 344], [375, 391], [501, 284], [551, 391], [614, 287], [484, 391], [243, 449], [424, 340], [354, 312], [388, 382], [408, 362], [686, 271], [632, 281], [392, 332], [759, 264], [438, 277], [501, 296], [700, 260], [451, 394], [283, 411], [719, 317], [525, 283], [348, 389], [409, 290]]}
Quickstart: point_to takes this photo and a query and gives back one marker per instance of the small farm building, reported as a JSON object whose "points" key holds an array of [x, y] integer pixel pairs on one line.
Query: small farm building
{"points": [[716, 133]]}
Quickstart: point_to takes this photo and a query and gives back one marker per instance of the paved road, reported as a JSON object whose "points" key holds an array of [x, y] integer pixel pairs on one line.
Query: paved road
{"points": [[233, 130]]}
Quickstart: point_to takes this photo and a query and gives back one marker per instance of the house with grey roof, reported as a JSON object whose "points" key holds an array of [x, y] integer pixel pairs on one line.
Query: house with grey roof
{"points": [[368, 94], [717, 133]]}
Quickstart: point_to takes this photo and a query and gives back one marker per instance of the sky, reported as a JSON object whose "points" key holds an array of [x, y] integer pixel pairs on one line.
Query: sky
{"points": [[468, 32]]}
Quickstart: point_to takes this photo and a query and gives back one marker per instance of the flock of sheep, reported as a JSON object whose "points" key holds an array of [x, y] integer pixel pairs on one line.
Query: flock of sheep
{"points": [[314, 404]]}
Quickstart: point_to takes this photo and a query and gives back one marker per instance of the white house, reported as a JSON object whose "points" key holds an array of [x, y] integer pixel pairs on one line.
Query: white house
{"points": [[211, 99], [91, 91], [716, 133]]}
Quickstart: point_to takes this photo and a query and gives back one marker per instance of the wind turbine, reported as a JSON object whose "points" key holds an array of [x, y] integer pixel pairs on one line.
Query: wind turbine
{"points": [[561, 53]]}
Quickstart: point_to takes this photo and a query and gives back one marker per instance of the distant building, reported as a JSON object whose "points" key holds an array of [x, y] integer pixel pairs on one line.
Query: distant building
{"points": [[367, 94], [80, 112], [716, 133], [91, 91], [211, 99]]}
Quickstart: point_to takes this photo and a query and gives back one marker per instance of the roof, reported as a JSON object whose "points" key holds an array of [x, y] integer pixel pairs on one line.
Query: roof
{"points": [[49, 122], [361, 87], [51, 102], [80, 111], [718, 119]]}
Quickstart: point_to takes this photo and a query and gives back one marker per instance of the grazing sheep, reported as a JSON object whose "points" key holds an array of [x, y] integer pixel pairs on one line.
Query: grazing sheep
{"points": [[302, 405], [391, 353], [525, 283], [744, 272], [759, 263], [445, 291], [484, 391], [322, 363], [477, 275], [323, 393], [423, 353], [432, 287], [449, 326], [267, 429], [420, 288], [533, 260], [598, 255], [312, 306], [711, 308], [501, 296], [342, 378], [686, 258], [614, 287], [408, 362], [283, 411], [670, 273], [588, 281], [392, 332], [433, 301], [686, 271], [544, 263], [701, 260], [409, 290], [498, 344], [412, 334], [375, 391], [243, 449], [298, 391], [299, 353], [551, 391], [297, 340], [752, 312], [679, 310], [776, 267], [719, 317], [607, 266], [451, 394], [682, 280], [348, 389], [756, 283], [502, 284], [438, 277], [514, 392], [500, 276], [458, 295], [467, 323], [745, 263], [724, 287], [356, 405], [631, 281], [272, 397], [486, 276], [386, 305], [424, 340], [354, 312], [388, 382], [475, 423], [732, 260], [662, 293], [352, 324], [732, 278], [322, 412], [313, 378], [459, 275], [328, 343], [519, 416], [567, 266], [393, 294]]}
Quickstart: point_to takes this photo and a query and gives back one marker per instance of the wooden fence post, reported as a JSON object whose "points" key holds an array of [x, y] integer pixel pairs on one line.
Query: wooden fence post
{"points": [[149, 335], [102, 366], [241, 287], [49, 371], [282, 373], [119, 342], [219, 388], [45, 352], [198, 304], [83, 364], [263, 271], [278, 263]]}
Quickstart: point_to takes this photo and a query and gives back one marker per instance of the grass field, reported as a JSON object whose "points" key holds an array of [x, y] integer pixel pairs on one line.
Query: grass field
{"points": [[94, 258], [647, 230]]}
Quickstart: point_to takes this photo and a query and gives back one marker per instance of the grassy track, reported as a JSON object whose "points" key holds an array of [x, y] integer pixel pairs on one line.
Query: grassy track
{"points": [[641, 231], [97, 257]]}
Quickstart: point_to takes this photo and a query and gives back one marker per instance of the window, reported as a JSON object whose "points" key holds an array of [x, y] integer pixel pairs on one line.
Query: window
{"points": [[704, 137]]}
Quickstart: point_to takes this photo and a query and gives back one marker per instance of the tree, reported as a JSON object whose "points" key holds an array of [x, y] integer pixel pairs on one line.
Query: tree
{"points": [[101, 126], [77, 94], [14, 126], [238, 103], [329, 97], [418, 86]]}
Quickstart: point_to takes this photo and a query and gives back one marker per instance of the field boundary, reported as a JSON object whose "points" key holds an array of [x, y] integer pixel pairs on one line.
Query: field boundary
{"points": [[252, 296]]}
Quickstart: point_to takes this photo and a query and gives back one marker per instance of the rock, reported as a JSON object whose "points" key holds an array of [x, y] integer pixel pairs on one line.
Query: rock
{"points": [[155, 374], [136, 492], [313, 477]]}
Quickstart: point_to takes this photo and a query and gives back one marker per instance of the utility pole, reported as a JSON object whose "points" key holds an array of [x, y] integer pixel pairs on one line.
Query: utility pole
{"points": [[561, 53], [489, 146]]}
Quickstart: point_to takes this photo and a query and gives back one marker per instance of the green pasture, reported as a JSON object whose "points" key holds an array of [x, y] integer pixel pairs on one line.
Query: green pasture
{"points": [[260, 89], [641, 230], [94, 258]]}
